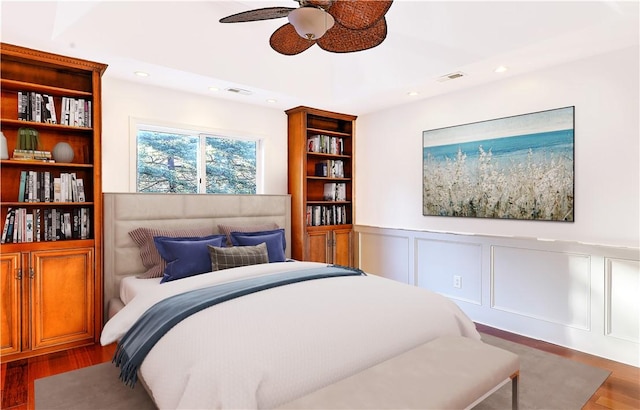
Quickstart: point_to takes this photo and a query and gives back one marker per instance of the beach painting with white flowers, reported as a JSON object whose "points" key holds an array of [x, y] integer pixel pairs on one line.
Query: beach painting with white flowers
{"points": [[519, 167]]}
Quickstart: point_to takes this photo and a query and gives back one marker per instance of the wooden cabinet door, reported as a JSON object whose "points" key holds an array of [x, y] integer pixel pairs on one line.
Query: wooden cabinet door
{"points": [[318, 246], [342, 249], [10, 288], [62, 302]]}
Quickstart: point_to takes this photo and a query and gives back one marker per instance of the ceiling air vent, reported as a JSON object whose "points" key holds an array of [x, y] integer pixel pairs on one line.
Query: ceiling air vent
{"points": [[451, 76], [239, 91]]}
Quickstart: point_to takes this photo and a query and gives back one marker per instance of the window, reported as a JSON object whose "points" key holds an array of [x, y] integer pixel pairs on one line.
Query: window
{"points": [[183, 161]]}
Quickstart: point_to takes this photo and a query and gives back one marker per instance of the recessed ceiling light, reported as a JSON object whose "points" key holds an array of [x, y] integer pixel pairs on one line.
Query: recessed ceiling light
{"points": [[141, 74], [214, 89], [272, 101], [500, 69], [412, 93]]}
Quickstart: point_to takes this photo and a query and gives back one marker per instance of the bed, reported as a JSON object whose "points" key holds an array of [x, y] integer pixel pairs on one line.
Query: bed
{"points": [[270, 347]]}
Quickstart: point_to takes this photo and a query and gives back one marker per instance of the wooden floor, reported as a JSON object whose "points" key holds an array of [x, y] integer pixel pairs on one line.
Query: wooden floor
{"points": [[620, 391]]}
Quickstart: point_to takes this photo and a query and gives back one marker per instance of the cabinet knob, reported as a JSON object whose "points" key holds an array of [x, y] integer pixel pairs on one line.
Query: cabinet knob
{"points": [[19, 277], [31, 273]]}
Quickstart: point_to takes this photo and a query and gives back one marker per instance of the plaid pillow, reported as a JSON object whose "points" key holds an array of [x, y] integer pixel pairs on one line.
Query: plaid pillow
{"points": [[236, 256], [227, 229], [151, 259]]}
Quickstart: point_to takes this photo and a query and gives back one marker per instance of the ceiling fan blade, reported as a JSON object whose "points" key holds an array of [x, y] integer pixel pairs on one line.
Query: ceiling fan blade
{"points": [[340, 39], [359, 14], [286, 41], [320, 3], [258, 14]]}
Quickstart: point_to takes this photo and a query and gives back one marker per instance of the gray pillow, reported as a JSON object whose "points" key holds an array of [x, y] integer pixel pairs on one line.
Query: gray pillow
{"points": [[225, 258], [151, 259], [227, 229]]}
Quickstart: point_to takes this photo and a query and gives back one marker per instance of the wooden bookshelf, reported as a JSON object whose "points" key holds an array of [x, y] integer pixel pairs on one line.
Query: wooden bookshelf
{"points": [[51, 290], [322, 226]]}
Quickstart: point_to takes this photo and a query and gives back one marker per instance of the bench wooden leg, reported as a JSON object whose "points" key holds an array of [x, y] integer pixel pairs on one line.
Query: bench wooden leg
{"points": [[514, 390]]}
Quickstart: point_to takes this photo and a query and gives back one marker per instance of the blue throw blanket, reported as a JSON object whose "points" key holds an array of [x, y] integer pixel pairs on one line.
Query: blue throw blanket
{"points": [[161, 317]]}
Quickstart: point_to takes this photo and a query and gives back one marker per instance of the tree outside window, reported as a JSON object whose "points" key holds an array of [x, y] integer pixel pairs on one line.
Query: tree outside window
{"points": [[172, 162]]}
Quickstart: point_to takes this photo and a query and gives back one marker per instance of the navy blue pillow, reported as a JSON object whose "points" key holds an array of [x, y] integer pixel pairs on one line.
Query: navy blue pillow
{"points": [[186, 256], [275, 240]]}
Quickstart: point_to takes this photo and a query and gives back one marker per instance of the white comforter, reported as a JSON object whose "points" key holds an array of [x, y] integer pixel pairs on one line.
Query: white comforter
{"points": [[268, 348]]}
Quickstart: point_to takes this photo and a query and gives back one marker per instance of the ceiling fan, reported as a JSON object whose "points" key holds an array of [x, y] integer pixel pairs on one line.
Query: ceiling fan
{"points": [[338, 26]]}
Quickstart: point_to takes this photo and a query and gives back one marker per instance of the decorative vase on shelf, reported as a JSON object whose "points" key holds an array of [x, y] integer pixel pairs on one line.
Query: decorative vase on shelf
{"points": [[4, 151], [62, 152]]}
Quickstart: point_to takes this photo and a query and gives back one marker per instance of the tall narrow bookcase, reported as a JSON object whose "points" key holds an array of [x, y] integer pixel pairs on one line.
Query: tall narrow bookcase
{"points": [[51, 276], [321, 178]]}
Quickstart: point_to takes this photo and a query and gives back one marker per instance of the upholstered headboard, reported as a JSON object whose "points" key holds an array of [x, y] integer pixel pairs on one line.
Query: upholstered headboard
{"points": [[124, 212]]}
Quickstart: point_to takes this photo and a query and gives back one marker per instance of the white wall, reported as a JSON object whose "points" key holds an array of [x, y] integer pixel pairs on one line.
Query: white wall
{"points": [[604, 90], [123, 100], [584, 297]]}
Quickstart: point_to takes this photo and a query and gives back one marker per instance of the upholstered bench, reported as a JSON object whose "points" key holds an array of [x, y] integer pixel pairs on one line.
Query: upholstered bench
{"points": [[446, 373]]}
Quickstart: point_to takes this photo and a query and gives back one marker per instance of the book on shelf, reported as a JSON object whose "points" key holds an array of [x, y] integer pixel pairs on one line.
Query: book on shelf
{"points": [[80, 188], [7, 221], [319, 215], [36, 186], [47, 186], [73, 180], [330, 191], [36, 107], [38, 225], [66, 225], [330, 168], [42, 186], [22, 187], [337, 168], [15, 224], [31, 155], [32, 187], [76, 112], [75, 223], [341, 191], [321, 169], [28, 225], [313, 144], [325, 144], [84, 223], [22, 106], [50, 108], [57, 189], [36, 100]]}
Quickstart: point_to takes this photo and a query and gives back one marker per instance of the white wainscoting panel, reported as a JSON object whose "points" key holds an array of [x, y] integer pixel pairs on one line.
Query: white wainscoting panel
{"points": [[623, 299], [545, 285], [440, 263], [582, 296], [385, 255]]}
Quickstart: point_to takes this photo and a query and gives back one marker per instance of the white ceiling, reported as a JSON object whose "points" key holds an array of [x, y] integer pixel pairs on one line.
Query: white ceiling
{"points": [[182, 45]]}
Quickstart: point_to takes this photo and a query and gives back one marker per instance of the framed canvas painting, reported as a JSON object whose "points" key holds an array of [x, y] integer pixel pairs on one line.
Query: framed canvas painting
{"points": [[519, 167]]}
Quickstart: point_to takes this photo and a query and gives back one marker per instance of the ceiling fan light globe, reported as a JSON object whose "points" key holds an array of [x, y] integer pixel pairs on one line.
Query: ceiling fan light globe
{"points": [[310, 22]]}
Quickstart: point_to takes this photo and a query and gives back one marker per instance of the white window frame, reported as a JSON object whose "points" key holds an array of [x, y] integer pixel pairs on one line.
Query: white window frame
{"points": [[135, 124]]}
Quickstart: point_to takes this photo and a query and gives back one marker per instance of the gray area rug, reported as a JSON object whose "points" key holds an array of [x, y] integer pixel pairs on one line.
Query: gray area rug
{"points": [[547, 381]]}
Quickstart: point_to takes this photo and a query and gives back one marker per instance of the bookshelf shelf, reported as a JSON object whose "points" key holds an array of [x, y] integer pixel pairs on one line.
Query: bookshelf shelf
{"points": [[43, 164], [14, 85], [13, 123], [313, 130], [321, 147], [61, 275], [45, 204], [315, 178]]}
